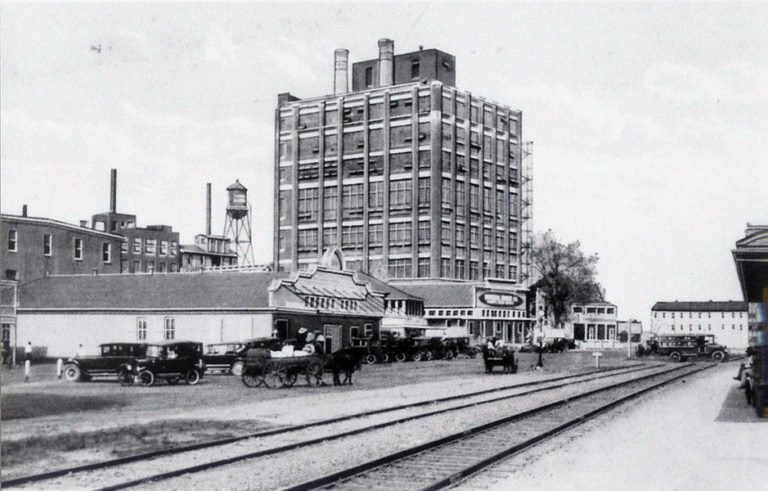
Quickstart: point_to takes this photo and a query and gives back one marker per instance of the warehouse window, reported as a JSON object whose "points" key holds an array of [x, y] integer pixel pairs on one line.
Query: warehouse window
{"points": [[415, 69], [170, 328], [47, 244], [141, 329], [13, 241], [106, 252], [78, 250]]}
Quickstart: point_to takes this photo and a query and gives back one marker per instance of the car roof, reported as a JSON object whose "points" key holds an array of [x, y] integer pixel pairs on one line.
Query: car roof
{"points": [[169, 342]]}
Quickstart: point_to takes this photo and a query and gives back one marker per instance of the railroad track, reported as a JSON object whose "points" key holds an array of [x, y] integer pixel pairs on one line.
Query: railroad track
{"points": [[448, 460], [533, 387]]}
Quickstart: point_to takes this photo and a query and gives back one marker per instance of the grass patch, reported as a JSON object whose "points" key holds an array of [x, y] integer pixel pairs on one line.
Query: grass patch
{"points": [[29, 405]]}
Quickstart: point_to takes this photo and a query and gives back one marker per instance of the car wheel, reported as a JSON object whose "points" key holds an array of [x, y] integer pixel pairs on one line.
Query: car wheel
{"points": [[427, 356], [400, 357], [237, 368], [449, 355], [72, 373], [417, 356], [146, 378], [126, 378], [370, 359], [718, 355], [384, 358], [251, 378], [675, 356], [192, 376]]}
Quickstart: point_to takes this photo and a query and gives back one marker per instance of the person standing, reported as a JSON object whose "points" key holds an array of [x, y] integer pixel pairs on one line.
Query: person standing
{"points": [[27, 360], [80, 351]]}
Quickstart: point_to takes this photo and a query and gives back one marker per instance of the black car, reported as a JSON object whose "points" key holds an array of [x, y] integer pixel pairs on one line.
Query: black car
{"points": [[170, 360], [112, 358], [230, 357]]}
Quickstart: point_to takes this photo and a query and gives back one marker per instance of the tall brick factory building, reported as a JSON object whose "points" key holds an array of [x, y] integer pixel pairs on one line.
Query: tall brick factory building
{"points": [[408, 175]]}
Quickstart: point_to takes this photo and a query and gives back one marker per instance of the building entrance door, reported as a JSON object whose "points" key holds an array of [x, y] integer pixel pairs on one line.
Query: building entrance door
{"points": [[332, 335]]}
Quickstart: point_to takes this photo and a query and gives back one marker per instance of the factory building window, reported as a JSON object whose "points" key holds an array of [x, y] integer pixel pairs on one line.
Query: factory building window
{"points": [[308, 205], [375, 140], [424, 233], [473, 270], [352, 199], [487, 238], [47, 244], [376, 195], [170, 328], [174, 248], [369, 77], [445, 267], [460, 234], [474, 197], [106, 252], [446, 193], [400, 194], [415, 70], [424, 267], [141, 329], [329, 236], [424, 191], [500, 271], [352, 237], [331, 145], [399, 235], [425, 159], [331, 116], [307, 240], [400, 268], [164, 248], [375, 235], [330, 202], [474, 236], [78, 250], [424, 104], [13, 241], [150, 247], [400, 136], [460, 268]]}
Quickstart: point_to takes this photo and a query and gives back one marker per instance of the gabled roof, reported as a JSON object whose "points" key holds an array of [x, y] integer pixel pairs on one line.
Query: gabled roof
{"points": [[383, 287], [149, 291], [710, 306], [442, 294]]}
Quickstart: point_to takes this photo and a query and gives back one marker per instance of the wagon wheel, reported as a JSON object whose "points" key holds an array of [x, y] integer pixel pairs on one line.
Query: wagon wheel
{"points": [[314, 374], [252, 378], [274, 375], [290, 379]]}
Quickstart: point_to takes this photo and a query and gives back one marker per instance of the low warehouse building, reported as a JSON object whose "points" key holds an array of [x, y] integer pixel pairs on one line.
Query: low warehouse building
{"points": [[57, 313]]}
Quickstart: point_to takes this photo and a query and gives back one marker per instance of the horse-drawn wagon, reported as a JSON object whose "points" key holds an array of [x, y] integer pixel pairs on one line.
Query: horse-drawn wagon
{"points": [[262, 369]]}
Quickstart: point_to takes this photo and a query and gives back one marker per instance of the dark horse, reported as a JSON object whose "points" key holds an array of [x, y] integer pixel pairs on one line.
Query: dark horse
{"points": [[346, 360]]}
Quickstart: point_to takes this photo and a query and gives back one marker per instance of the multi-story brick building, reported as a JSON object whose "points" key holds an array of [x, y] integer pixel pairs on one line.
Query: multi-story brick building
{"points": [[726, 320], [146, 249], [408, 175], [34, 247]]}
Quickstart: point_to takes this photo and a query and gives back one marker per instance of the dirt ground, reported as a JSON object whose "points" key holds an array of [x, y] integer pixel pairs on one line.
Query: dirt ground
{"points": [[50, 423]]}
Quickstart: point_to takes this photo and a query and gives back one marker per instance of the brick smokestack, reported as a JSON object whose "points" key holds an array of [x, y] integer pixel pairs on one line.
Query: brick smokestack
{"points": [[386, 62], [23, 210], [340, 73], [208, 209], [113, 191]]}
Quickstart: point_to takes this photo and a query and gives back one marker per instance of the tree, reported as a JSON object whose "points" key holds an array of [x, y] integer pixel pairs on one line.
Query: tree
{"points": [[566, 275]]}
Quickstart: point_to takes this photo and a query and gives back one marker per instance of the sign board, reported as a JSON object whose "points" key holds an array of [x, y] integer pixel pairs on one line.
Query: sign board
{"points": [[499, 299]]}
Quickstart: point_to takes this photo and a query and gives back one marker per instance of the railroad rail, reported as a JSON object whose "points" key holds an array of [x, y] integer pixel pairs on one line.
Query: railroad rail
{"points": [[538, 386], [445, 461]]}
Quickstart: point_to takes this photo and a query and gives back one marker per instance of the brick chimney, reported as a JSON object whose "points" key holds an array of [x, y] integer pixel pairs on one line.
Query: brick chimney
{"points": [[386, 62], [341, 68]]}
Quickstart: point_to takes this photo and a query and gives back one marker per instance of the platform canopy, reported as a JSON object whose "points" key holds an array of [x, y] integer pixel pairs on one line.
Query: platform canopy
{"points": [[751, 258]]}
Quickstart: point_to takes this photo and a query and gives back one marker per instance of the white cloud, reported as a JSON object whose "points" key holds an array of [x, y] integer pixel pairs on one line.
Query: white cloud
{"points": [[687, 84], [220, 48]]}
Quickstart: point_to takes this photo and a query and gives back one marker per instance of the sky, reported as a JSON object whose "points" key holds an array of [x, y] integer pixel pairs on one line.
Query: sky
{"points": [[649, 121]]}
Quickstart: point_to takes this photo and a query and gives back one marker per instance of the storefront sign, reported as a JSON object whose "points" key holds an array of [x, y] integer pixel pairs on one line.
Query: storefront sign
{"points": [[500, 299]]}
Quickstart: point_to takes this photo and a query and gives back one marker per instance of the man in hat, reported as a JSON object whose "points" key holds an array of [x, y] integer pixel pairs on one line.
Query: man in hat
{"points": [[301, 338]]}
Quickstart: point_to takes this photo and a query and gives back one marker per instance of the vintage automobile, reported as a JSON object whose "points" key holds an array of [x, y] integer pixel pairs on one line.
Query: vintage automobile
{"points": [[680, 347], [224, 357], [172, 361], [109, 363], [460, 346]]}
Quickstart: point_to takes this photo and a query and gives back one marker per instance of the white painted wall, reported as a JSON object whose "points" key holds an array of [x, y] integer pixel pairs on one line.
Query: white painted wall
{"points": [[62, 333], [729, 328]]}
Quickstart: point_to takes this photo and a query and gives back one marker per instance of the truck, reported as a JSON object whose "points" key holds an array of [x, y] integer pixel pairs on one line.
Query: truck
{"points": [[680, 347]]}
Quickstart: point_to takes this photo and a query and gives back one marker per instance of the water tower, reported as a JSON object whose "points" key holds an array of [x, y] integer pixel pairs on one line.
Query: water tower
{"points": [[237, 223]]}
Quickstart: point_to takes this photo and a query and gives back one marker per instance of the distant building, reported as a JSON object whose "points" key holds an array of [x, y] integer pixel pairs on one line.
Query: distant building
{"points": [[594, 325], [408, 175], [727, 320], [475, 310], [208, 251], [34, 247], [146, 250]]}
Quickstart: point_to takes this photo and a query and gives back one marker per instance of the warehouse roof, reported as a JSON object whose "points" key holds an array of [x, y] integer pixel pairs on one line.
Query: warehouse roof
{"points": [[442, 294], [393, 293], [710, 306], [149, 291]]}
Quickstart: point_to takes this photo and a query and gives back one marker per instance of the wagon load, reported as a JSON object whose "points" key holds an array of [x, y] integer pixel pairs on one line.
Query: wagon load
{"points": [[275, 369]]}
